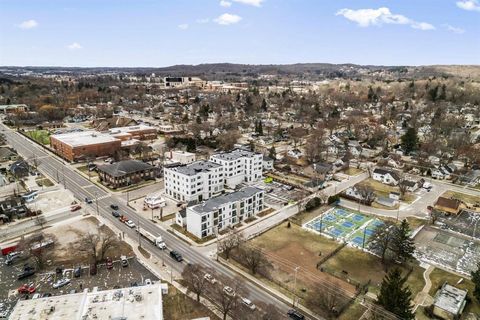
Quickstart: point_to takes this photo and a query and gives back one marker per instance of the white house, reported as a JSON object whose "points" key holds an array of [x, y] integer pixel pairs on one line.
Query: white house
{"points": [[224, 211], [239, 166], [386, 176], [197, 181], [268, 163]]}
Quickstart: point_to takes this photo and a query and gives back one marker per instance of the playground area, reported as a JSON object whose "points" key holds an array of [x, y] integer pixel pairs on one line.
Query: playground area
{"points": [[345, 225]]}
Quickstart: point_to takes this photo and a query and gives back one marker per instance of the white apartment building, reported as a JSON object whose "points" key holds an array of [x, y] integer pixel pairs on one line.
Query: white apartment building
{"points": [[179, 156], [239, 166], [197, 181], [224, 211]]}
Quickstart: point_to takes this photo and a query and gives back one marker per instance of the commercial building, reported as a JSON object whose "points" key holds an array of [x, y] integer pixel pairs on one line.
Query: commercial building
{"points": [[13, 108], [173, 82], [224, 211], [125, 173], [74, 146], [138, 132], [143, 302], [239, 166], [449, 302], [197, 181]]}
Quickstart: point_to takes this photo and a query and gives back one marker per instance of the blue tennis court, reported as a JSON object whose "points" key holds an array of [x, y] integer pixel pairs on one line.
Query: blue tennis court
{"points": [[358, 217], [347, 224], [335, 232], [369, 232], [358, 241]]}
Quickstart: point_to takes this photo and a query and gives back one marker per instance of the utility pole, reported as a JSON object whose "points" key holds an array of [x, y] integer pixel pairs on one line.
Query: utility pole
{"points": [[96, 201], [139, 238], [295, 286]]}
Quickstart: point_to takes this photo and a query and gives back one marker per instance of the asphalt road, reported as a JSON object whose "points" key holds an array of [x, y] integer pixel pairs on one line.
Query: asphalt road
{"points": [[82, 188]]}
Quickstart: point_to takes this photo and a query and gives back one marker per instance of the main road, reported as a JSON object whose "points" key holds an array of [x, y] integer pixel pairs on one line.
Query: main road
{"points": [[82, 188]]}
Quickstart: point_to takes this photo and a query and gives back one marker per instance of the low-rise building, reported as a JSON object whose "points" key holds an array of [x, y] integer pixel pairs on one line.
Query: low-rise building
{"points": [[181, 157], [74, 146], [138, 132], [239, 166], [125, 173], [453, 206], [219, 213], [386, 176], [196, 181], [13, 108], [143, 302], [449, 302], [7, 154]]}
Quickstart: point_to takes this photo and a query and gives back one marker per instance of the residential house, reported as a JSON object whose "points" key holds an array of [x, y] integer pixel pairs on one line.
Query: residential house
{"points": [[386, 176], [20, 169], [412, 186], [7, 154], [181, 218], [443, 171], [268, 163], [13, 207], [125, 173], [323, 170], [295, 153], [449, 302], [387, 202], [225, 211], [453, 206]]}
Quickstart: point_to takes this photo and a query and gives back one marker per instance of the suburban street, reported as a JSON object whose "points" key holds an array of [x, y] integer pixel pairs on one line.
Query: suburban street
{"points": [[82, 188]]}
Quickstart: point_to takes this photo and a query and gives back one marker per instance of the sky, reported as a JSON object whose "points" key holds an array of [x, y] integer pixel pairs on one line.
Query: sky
{"points": [[159, 33]]}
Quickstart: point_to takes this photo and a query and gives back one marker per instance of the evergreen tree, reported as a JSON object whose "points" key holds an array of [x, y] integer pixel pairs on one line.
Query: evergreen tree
{"points": [[272, 153], [260, 128], [395, 296], [410, 140], [476, 281], [264, 105], [402, 244]]}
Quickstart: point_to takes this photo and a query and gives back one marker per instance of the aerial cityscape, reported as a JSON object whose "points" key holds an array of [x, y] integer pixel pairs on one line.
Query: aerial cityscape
{"points": [[239, 159]]}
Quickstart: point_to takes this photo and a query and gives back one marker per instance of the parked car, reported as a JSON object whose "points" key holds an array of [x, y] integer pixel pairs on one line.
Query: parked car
{"points": [[28, 272], [130, 224], [60, 283], [294, 314], [175, 255], [229, 291], [115, 214], [77, 272], [114, 207], [123, 219], [76, 208], [88, 200], [210, 278], [124, 261], [109, 263], [27, 288], [249, 304], [36, 296], [11, 257]]}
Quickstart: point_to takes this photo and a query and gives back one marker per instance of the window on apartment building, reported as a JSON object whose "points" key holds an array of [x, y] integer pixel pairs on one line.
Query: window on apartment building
{"points": [[204, 218], [204, 234]]}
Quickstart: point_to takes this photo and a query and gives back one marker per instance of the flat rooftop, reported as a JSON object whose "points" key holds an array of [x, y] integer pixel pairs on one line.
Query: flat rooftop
{"points": [[233, 155], [451, 299], [128, 129], [143, 302], [195, 167], [216, 202], [82, 138]]}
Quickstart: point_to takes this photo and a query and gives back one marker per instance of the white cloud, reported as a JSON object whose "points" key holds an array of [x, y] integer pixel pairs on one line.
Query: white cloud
{"points": [[205, 20], [183, 26], [227, 18], [28, 24], [256, 3], [470, 5], [225, 4], [454, 29], [380, 16], [74, 46]]}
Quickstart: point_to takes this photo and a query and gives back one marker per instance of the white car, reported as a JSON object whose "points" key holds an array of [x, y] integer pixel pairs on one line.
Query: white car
{"points": [[209, 278], [36, 296], [61, 283], [148, 282], [249, 304], [130, 224], [229, 291]]}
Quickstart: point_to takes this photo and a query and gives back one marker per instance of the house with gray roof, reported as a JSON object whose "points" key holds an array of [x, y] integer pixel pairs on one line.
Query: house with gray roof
{"points": [[125, 173], [449, 302], [225, 211]]}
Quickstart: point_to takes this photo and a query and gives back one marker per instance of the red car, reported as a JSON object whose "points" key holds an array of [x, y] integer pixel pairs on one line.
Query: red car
{"points": [[109, 263], [123, 218], [27, 288], [76, 208]]}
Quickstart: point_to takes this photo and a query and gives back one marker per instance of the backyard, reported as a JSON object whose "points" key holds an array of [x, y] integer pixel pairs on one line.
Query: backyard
{"points": [[40, 136], [383, 190], [467, 198]]}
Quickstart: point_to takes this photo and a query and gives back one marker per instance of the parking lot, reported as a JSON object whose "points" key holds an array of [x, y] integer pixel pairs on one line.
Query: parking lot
{"points": [[132, 275], [278, 195]]}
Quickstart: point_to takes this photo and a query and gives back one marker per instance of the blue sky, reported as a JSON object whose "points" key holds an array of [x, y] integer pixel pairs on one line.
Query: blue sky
{"points": [[156, 33]]}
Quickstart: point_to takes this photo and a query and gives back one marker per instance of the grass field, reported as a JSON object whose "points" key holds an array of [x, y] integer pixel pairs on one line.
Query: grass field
{"points": [[177, 306], [41, 136], [384, 190], [469, 199], [439, 276]]}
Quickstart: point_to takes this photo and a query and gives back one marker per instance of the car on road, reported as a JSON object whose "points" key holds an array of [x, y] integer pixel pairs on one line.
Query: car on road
{"points": [[11, 257], [60, 283], [229, 291], [109, 263], [88, 200], [210, 278], [248, 303], [115, 214], [175, 255], [294, 314], [130, 224], [123, 218], [114, 207], [76, 208]]}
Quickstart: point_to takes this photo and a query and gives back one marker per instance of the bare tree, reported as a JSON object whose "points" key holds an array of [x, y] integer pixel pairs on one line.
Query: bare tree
{"points": [[97, 244], [254, 258], [228, 302], [329, 301], [231, 241], [268, 311], [193, 275], [366, 192], [227, 140], [381, 239], [38, 248], [40, 220]]}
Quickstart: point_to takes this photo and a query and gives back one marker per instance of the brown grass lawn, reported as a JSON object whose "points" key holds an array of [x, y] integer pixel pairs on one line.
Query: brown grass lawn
{"points": [[353, 312], [362, 267], [469, 199], [384, 190], [177, 306], [439, 276], [352, 171], [306, 216]]}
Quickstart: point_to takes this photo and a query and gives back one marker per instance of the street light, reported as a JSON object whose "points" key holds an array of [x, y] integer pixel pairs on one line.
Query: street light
{"points": [[96, 201]]}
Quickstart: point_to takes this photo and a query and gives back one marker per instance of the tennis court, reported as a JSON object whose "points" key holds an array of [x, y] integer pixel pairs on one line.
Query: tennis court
{"points": [[344, 225]]}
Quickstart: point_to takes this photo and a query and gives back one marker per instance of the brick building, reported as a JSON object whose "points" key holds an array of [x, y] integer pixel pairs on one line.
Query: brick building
{"points": [[139, 132], [125, 173], [74, 146]]}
